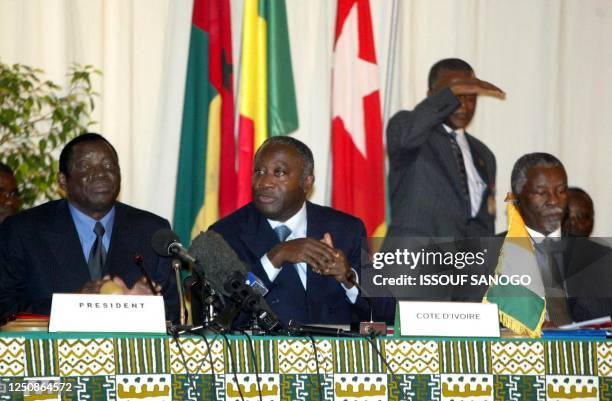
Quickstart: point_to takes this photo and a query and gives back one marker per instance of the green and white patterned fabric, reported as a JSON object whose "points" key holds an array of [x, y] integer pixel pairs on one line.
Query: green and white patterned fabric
{"points": [[157, 369]]}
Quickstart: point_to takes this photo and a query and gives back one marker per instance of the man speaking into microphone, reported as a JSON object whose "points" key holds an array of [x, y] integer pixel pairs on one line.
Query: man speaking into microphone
{"points": [[307, 256]]}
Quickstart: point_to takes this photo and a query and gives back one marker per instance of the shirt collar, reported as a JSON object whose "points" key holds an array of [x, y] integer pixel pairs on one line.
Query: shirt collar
{"points": [[458, 131], [535, 235], [82, 220], [296, 223]]}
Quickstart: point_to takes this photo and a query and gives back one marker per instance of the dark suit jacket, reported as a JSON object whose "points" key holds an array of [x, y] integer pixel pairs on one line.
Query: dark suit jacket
{"points": [[585, 268], [586, 271], [424, 183], [248, 232], [40, 253]]}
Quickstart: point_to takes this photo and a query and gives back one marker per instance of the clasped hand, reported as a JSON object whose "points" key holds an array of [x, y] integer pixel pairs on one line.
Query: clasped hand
{"points": [[320, 255], [140, 287]]}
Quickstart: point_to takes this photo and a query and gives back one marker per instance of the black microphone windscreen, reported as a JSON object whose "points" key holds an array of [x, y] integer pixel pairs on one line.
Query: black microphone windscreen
{"points": [[162, 239], [216, 259], [227, 274]]}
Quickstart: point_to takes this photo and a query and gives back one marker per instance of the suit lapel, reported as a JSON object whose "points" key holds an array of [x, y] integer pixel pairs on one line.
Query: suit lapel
{"points": [[315, 229], [257, 234], [71, 269], [120, 246], [259, 238]]}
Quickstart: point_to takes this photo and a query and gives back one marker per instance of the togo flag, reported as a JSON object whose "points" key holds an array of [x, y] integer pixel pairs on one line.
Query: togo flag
{"points": [[522, 309]]}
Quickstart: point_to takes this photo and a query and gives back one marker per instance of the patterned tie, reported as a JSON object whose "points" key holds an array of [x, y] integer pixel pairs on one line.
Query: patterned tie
{"points": [[282, 232], [461, 165], [97, 254]]}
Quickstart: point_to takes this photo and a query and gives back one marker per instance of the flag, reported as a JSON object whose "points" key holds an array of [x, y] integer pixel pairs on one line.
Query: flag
{"points": [[267, 93], [358, 176], [206, 180], [521, 309]]}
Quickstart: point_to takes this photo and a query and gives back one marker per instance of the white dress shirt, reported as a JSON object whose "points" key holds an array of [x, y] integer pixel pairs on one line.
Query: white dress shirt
{"points": [[298, 224], [538, 237], [476, 184]]}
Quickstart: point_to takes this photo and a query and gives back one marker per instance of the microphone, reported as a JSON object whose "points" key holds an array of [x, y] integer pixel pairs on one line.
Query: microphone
{"points": [[165, 242], [139, 261], [227, 274]]}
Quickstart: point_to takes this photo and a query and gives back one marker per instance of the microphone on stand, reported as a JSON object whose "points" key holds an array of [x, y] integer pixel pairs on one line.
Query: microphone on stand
{"points": [[228, 275], [139, 261], [165, 242], [176, 265], [371, 327]]}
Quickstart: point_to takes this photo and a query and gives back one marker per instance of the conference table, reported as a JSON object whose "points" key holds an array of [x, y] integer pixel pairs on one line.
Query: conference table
{"points": [[53, 366]]}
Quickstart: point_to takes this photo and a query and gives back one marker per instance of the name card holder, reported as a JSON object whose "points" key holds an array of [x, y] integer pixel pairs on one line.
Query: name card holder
{"points": [[107, 313], [448, 319]]}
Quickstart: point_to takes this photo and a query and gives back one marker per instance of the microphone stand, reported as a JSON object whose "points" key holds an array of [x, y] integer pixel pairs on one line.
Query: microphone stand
{"points": [[176, 265], [371, 327]]}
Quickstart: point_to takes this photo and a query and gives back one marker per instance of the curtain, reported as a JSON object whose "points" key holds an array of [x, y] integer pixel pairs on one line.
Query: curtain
{"points": [[553, 58]]}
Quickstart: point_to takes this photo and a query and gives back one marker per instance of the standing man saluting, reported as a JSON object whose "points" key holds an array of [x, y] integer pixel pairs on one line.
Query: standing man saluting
{"points": [[442, 179]]}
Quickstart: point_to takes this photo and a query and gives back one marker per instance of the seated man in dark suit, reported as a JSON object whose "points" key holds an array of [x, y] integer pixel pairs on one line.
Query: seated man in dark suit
{"points": [[307, 255], [571, 269], [80, 243]]}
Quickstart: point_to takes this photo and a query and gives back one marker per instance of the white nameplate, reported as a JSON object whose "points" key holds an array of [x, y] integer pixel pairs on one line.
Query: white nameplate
{"points": [[107, 313], [448, 319]]}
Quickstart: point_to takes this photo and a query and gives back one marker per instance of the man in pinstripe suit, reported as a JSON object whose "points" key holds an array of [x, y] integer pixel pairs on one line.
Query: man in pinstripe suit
{"points": [[442, 179]]}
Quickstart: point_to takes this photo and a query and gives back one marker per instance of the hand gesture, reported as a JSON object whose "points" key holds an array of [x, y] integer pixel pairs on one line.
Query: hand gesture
{"points": [[475, 86], [339, 268], [302, 250]]}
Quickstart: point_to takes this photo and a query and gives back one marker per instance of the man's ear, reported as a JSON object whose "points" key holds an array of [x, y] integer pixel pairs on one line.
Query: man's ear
{"points": [[61, 179], [308, 184]]}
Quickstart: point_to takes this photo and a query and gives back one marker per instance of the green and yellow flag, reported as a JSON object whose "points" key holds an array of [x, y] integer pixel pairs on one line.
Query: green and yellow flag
{"points": [[522, 309]]}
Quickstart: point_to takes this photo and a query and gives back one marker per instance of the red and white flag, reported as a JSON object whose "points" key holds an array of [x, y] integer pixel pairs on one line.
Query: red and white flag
{"points": [[358, 178]]}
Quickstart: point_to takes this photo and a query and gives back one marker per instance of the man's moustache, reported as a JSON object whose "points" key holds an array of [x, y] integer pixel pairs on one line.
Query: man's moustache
{"points": [[551, 212]]}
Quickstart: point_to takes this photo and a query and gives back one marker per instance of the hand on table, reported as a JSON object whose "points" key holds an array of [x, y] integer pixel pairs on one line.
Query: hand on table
{"points": [[116, 285]]}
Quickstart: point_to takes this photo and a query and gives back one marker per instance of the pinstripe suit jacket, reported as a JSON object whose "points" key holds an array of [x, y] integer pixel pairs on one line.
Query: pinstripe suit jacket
{"points": [[424, 183]]}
